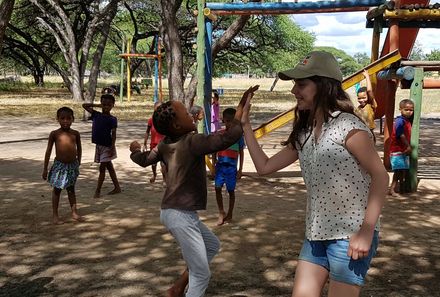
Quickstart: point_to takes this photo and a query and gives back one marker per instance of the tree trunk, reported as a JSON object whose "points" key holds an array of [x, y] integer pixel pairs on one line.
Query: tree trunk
{"points": [[38, 75], [97, 57], [6, 8], [75, 52], [173, 48], [222, 43]]}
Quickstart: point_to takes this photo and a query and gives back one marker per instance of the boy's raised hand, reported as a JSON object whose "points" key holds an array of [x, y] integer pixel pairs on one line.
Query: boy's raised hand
{"points": [[247, 96], [135, 146]]}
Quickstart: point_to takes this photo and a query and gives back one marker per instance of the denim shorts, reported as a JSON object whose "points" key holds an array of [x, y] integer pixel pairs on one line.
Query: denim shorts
{"points": [[332, 255]]}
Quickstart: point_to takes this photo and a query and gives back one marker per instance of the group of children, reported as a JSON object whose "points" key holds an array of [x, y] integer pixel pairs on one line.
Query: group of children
{"points": [[324, 121], [65, 169], [400, 148]]}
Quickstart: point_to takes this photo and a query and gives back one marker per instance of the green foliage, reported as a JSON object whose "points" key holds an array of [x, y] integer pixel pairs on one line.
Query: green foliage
{"points": [[14, 86], [417, 52], [347, 63], [362, 59], [266, 46], [434, 55]]}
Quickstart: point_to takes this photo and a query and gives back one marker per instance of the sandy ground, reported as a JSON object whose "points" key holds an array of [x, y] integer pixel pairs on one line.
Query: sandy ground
{"points": [[123, 250]]}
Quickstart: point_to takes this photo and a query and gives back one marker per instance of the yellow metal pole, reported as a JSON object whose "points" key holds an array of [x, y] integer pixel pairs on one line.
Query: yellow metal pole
{"points": [[128, 70]]}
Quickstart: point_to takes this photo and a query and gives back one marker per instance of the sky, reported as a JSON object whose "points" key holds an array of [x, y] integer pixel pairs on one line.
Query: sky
{"points": [[347, 31]]}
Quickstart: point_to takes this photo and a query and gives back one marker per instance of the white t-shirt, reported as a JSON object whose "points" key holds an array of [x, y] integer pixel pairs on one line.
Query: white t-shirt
{"points": [[337, 186]]}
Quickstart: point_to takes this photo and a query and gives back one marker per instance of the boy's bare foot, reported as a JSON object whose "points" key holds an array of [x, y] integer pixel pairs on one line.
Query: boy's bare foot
{"points": [[153, 179], [227, 219], [392, 193], [57, 221], [77, 218], [97, 195], [221, 218], [114, 191]]}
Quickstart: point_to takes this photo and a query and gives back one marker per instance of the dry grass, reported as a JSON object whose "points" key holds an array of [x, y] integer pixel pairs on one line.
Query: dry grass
{"points": [[43, 102]]}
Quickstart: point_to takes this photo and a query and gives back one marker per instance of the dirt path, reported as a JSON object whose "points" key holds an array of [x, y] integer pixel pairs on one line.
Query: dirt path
{"points": [[123, 250]]}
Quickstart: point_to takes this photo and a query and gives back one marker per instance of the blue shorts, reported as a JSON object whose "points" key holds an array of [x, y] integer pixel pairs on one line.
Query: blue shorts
{"points": [[332, 255], [399, 161], [225, 174]]}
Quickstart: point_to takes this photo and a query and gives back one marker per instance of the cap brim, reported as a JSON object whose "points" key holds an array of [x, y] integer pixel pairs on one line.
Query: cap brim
{"points": [[294, 73]]}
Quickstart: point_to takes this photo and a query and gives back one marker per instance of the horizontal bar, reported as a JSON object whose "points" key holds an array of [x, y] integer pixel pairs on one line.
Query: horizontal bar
{"points": [[138, 56], [292, 7], [406, 72], [428, 83], [289, 11], [406, 14], [408, 24], [430, 68], [420, 63]]}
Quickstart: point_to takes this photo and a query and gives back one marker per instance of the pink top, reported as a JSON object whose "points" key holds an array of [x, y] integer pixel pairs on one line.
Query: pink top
{"points": [[215, 117]]}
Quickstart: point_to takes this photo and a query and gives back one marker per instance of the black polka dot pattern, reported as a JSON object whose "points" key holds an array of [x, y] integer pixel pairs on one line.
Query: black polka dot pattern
{"points": [[337, 186]]}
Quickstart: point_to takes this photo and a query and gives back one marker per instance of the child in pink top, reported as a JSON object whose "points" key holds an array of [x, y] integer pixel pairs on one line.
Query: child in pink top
{"points": [[215, 112]]}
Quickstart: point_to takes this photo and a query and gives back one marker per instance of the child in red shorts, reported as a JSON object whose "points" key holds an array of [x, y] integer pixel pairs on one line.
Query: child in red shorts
{"points": [[156, 137]]}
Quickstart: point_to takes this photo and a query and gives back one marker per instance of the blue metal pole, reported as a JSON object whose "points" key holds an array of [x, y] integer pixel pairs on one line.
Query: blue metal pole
{"points": [[272, 6], [156, 70], [208, 75]]}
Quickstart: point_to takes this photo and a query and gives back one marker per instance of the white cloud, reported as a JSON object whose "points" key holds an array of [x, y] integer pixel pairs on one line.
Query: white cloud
{"points": [[347, 31]]}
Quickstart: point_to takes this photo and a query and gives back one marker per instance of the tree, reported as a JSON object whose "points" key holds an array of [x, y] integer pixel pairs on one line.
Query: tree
{"points": [[362, 59], [347, 63], [30, 46], [417, 52], [6, 8], [95, 18], [434, 55], [242, 40]]}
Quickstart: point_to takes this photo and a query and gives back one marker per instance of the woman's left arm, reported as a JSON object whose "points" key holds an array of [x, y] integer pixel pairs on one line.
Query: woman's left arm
{"points": [[361, 146]]}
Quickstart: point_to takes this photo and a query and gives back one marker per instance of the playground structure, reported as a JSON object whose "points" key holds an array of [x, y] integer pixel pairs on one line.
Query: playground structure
{"points": [[157, 56], [403, 18]]}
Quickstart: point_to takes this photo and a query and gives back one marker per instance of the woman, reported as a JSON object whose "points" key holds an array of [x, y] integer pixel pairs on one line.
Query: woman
{"points": [[345, 179]]}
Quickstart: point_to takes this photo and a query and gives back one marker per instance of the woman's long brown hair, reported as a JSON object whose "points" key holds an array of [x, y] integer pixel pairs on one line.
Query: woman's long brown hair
{"points": [[329, 97]]}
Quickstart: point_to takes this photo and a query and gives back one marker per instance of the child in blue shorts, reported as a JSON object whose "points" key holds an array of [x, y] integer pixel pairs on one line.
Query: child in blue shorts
{"points": [[400, 147], [65, 168], [226, 170]]}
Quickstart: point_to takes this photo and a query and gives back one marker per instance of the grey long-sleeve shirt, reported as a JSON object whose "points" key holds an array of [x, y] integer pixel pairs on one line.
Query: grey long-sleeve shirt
{"points": [[185, 165]]}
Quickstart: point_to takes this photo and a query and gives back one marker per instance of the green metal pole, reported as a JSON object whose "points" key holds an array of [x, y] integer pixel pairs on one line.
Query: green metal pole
{"points": [[416, 96], [121, 84], [200, 53]]}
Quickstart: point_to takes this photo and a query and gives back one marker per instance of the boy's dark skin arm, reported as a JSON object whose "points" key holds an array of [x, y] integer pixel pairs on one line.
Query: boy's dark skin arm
{"points": [[143, 159], [78, 147], [89, 106], [48, 153], [113, 138], [408, 149], [240, 166], [214, 161], [147, 135]]}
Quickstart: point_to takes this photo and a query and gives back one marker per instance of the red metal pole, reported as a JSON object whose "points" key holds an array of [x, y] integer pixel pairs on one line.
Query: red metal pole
{"points": [[390, 96]]}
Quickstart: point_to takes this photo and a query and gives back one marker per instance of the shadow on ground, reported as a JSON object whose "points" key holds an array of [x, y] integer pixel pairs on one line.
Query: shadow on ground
{"points": [[123, 250]]}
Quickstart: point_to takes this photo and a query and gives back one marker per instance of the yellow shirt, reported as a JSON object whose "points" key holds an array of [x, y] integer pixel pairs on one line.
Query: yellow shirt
{"points": [[366, 113]]}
